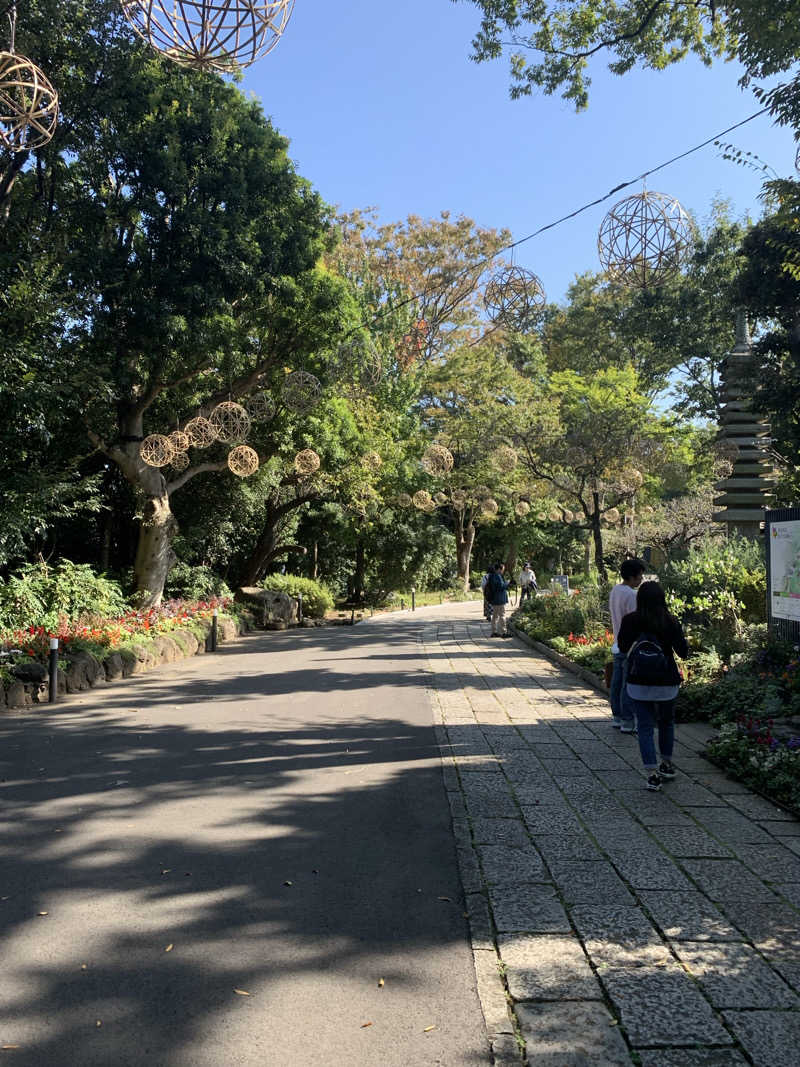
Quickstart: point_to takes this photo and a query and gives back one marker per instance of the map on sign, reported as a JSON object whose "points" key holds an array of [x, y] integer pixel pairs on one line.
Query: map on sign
{"points": [[784, 548]]}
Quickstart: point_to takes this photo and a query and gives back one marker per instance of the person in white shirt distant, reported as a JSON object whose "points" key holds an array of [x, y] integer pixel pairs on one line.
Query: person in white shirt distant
{"points": [[621, 602], [527, 582]]}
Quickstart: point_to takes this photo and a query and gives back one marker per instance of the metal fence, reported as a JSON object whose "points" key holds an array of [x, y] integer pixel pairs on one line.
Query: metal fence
{"points": [[788, 629]]}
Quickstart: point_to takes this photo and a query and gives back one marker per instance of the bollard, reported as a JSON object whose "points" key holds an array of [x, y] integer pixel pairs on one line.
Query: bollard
{"points": [[413, 599], [299, 607], [53, 670], [214, 615], [352, 616]]}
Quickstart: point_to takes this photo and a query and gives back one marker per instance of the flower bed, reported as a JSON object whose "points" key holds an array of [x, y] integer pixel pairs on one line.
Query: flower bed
{"points": [[750, 750]]}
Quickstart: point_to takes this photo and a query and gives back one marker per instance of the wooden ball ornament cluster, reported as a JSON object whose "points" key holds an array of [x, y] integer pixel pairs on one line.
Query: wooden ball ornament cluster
{"points": [[260, 407], [440, 499], [200, 432], [422, 499], [179, 462], [644, 239], [505, 459], [437, 460], [230, 422], [301, 391], [514, 298], [403, 500], [28, 105], [522, 508], [481, 492], [156, 450], [220, 35], [490, 506], [371, 461], [180, 441], [243, 461], [307, 461], [356, 364], [458, 498], [612, 516], [554, 515]]}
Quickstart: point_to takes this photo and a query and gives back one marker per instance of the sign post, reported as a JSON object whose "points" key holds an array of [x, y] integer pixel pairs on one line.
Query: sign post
{"points": [[782, 533]]}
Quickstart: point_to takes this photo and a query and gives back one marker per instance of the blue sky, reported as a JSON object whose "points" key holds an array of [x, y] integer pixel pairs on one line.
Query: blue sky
{"points": [[384, 108]]}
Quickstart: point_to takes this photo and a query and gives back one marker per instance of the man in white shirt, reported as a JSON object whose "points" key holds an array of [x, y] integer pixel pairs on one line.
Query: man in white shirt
{"points": [[621, 602], [527, 582]]}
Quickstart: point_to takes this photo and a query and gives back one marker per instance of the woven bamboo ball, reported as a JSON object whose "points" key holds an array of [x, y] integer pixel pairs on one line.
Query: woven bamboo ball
{"points": [[180, 441], [356, 364], [243, 461], [541, 516], [522, 508], [437, 460], [505, 459], [261, 407], [180, 461], [554, 515], [221, 35], [490, 506], [633, 478], [307, 461], [459, 498], [439, 499], [230, 422], [612, 516], [28, 105], [156, 450], [371, 461], [403, 500], [301, 391], [481, 492], [514, 298], [200, 432], [644, 239], [422, 499]]}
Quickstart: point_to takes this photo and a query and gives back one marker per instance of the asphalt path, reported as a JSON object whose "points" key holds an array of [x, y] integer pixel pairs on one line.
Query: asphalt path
{"points": [[240, 859]]}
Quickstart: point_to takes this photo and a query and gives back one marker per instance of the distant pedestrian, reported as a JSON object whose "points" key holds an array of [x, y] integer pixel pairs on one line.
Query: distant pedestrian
{"points": [[621, 601], [651, 636], [497, 595], [527, 583], [487, 607]]}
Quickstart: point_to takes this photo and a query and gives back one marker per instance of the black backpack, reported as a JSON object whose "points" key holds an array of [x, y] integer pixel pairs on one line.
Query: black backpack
{"points": [[648, 663]]}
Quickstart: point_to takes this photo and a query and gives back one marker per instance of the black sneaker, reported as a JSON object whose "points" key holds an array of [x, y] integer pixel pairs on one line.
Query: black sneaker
{"points": [[666, 769], [654, 783]]}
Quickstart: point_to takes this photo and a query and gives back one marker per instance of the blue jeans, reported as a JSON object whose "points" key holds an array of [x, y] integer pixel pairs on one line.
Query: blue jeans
{"points": [[650, 713], [620, 701]]}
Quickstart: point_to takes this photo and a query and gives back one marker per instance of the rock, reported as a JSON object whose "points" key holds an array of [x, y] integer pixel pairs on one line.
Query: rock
{"points": [[83, 672], [167, 650], [269, 606], [186, 641], [114, 666], [278, 624], [17, 695], [30, 672]]}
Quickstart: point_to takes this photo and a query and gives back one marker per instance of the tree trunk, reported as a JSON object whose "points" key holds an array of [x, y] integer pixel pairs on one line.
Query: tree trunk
{"points": [[597, 534], [315, 561], [264, 551], [465, 538], [154, 555]]}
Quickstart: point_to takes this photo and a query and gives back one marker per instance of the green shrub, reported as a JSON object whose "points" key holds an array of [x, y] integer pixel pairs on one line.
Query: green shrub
{"points": [[39, 593], [317, 598], [715, 574], [558, 615], [187, 582]]}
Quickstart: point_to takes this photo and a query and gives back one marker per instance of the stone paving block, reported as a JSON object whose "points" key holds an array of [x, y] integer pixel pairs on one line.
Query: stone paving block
{"points": [[488, 806], [727, 880], [662, 1006], [690, 841], [450, 777], [684, 1057], [601, 758], [462, 833], [792, 843], [480, 922], [735, 976], [564, 767], [585, 786], [757, 808], [467, 741], [547, 967], [731, 826], [649, 870], [790, 891], [599, 804], [567, 847], [773, 863], [718, 782], [505, 1051], [551, 751], [767, 927], [504, 739], [540, 732], [688, 794], [618, 832], [589, 883], [542, 792], [533, 909], [492, 993], [569, 730], [628, 778], [609, 922], [510, 866], [770, 1038], [571, 1034], [480, 764], [500, 832], [547, 819], [458, 809], [781, 828], [471, 877], [652, 809], [688, 916]]}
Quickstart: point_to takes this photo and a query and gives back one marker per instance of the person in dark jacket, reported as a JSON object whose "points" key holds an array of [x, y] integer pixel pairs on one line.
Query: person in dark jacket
{"points": [[650, 636], [497, 595]]}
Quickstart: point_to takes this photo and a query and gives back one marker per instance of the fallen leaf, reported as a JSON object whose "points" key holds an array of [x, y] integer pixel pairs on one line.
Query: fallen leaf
{"points": [[166, 870], [365, 1025], [241, 992], [613, 1022], [6, 1048], [288, 883], [98, 1024], [58, 831], [448, 899], [381, 983], [465, 914], [84, 966], [428, 1029], [44, 912], [169, 947]]}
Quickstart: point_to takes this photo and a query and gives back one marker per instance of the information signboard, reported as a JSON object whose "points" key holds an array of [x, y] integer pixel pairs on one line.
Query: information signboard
{"points": [[784, 569]]}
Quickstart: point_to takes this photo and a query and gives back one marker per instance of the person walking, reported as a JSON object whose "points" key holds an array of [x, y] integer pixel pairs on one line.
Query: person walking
{"points": [[527, 583], [621, 601], [487, 607], [650, 636], [497, 595]]}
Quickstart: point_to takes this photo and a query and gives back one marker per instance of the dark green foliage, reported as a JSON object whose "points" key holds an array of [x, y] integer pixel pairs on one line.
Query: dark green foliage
{"points": [[38, 594]]}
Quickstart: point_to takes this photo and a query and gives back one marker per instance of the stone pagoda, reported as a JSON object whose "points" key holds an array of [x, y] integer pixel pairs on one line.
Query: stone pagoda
{"points": [[748, 488]]}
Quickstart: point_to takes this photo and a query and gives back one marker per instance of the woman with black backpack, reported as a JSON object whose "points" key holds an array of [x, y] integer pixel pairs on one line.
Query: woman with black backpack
{"points": [[651, 636]]}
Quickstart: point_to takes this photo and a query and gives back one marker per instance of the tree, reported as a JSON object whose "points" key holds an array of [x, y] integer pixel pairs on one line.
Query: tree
{"points": [[563, 38]]}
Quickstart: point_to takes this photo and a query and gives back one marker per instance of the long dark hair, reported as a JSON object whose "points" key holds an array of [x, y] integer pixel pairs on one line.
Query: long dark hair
{"points": [[652, 607]]}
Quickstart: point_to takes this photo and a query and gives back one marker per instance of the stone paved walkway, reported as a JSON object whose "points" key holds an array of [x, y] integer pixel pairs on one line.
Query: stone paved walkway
{"points": [[620, 926]]}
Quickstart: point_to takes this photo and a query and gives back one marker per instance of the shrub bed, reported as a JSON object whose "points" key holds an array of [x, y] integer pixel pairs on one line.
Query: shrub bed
{"points": [[317, 598], [749, 750]]}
